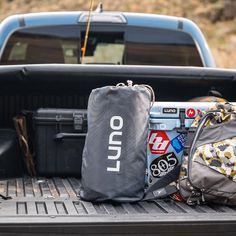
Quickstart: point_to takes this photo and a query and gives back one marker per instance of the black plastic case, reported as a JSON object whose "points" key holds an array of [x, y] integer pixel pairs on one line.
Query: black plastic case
{"points": [[59, 136]]}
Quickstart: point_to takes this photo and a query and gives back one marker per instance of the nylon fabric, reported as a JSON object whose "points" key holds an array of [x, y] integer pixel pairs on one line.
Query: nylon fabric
{"points": [[116, 141], [217, 133], [220, 156]]}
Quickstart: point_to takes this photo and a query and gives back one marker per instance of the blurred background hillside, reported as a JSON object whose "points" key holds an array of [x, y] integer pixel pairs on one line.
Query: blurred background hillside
{"points": [[216, 18]]}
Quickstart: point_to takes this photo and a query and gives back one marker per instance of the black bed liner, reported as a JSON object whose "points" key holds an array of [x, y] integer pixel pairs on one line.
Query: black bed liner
{"points": [[40, 204]]}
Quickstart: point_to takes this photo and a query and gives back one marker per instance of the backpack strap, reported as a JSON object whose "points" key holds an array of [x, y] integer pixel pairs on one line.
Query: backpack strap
{"points": [[162, 187]]}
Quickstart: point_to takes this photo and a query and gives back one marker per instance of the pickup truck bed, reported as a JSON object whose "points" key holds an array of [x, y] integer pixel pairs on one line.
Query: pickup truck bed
{"points": [[42, 206], [48, 202]]}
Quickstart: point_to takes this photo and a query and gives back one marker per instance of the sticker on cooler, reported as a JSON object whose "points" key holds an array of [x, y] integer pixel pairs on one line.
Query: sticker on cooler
{"points": [[178, 143], [191, 113], [158, 142], [163, 165]]}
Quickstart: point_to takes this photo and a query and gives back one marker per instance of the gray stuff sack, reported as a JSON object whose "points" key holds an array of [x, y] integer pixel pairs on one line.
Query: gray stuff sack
{"points": [[114, 156]]}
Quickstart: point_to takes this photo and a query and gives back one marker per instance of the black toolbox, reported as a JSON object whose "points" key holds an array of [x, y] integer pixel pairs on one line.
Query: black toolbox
{"points": [[59, 141]]}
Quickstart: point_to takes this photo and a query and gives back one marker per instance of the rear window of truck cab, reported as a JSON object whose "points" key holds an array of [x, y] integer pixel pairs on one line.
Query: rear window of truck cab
{"points": [[128, 45]]}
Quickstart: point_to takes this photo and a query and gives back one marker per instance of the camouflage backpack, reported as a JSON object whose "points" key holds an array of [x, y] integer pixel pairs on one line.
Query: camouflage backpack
{"points": [[208, 173]]}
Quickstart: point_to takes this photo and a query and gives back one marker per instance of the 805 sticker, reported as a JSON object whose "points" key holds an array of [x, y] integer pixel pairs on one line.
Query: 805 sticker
{"points": [[163, 165]]}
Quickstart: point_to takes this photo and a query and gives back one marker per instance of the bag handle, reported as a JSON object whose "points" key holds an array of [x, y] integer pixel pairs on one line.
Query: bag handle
{"points": [[61, 136], [203, 121], [198, 131]]}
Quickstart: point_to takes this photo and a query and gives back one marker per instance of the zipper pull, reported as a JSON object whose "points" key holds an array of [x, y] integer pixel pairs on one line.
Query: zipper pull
{"points": [[195, 198], [130, 83], [203, 198], [190, 201]]}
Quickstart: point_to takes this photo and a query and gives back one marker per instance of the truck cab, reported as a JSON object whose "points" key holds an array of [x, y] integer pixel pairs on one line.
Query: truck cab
{"points": [[114, 38]]}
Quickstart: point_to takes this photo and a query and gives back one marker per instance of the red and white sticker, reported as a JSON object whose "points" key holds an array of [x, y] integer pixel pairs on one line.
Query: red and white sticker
{"points": [[158, 142], [191, 113]]}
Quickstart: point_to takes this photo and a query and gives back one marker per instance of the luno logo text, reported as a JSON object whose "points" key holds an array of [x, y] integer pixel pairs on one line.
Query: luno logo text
{"points": [[114, 148]]}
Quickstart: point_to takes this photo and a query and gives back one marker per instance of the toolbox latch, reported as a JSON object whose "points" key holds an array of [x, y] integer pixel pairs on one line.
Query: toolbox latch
{"points": [[80, 122]]}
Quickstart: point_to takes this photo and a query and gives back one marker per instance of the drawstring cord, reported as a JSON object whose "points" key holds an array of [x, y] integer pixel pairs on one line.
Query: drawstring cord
{"points": [[148, 87]]}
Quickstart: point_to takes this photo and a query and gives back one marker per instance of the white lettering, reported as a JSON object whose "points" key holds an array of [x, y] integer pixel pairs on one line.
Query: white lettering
{"points": [[115, 126], [112, 137], [114, 169], [159, 144], [118, 152], [116, 123]]}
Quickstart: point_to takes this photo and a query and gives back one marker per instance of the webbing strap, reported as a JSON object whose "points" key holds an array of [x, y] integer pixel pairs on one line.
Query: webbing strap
{"points": [[162, 187]]}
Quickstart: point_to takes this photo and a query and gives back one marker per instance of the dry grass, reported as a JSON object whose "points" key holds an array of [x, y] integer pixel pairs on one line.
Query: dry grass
{"points": [[221, 36]]}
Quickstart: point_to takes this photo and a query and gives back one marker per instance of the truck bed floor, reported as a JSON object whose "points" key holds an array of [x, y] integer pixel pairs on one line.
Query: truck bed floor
{"points": [[49, 201]]}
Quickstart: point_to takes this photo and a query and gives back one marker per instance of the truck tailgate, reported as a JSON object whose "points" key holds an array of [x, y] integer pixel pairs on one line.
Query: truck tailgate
{"points": [[50, 206]]}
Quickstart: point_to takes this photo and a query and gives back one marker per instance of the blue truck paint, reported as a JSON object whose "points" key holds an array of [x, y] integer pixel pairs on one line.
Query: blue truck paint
{"points": [[11, 24]]}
